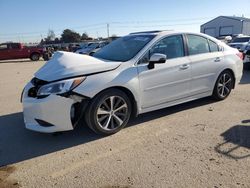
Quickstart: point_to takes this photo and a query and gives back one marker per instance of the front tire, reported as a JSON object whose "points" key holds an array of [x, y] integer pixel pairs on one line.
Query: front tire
{"points": [[108, 112], [223, 85]]}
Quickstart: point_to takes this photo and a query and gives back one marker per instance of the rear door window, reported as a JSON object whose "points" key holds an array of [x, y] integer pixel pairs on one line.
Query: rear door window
{"points": [[213, 46], [197, 45]]}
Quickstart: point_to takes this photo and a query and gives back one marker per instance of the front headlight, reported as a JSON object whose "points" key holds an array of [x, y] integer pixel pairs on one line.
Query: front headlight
{"points": [[60, 87]]}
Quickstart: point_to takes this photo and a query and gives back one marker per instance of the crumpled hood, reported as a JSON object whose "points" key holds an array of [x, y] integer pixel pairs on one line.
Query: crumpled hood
{"points": [[67, 64]]}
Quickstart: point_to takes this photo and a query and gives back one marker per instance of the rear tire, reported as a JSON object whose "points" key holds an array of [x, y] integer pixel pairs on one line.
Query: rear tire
{"points": [[35, 56], [108, 112], [223, 85]]}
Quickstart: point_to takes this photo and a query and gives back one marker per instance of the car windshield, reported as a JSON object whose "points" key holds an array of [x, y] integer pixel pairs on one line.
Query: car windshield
{"points": [[84, 45], [93, 45], [123, 49], [242, 39]]}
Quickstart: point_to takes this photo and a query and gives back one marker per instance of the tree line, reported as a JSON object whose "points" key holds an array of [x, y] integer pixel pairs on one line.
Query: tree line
{"points": [[67, 36]]}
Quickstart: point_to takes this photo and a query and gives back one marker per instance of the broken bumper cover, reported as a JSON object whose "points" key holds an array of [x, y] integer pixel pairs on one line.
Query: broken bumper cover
{"points": [[49, 114]]}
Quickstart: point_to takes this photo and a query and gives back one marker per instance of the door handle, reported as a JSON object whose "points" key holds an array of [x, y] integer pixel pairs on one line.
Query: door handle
{"points": [[217, 59], [185, 66]]}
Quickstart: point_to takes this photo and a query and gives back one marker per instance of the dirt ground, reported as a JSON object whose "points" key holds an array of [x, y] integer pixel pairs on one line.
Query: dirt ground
{"points": [[198, 144]]}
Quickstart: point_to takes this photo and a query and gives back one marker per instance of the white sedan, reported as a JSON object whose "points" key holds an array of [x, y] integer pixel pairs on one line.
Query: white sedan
{"points": [[137, 73]]}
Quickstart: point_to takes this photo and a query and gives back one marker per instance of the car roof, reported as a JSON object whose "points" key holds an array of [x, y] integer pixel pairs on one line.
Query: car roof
{"points": [[173, 32], [155, 32], [167, 32]]}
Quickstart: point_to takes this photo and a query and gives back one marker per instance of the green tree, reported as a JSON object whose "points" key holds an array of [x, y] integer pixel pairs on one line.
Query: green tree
{"points": [[84, 36], [42, 41], [57, 40], [70, 36]]}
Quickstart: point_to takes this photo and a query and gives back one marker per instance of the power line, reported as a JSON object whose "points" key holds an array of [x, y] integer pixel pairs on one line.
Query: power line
{"points": [[165, 25], [161, 21], [93, 26]]}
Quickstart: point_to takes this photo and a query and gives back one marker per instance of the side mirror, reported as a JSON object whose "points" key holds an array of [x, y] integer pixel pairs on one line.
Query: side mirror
{"points": [[156, 59]]}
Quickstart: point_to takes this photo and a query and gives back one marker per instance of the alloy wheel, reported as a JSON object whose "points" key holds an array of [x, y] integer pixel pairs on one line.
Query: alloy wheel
{"points": [[112, 112], [224, 85]]}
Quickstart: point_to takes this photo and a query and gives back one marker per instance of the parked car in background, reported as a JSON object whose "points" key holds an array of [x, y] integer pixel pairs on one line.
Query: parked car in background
{"points": [[247, 56], [134, 74], [17, 51], [240, 42], [82, 46], [92, 48]]}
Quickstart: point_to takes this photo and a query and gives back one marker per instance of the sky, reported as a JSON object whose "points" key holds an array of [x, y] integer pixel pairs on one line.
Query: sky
{"points": [[30, 20]]}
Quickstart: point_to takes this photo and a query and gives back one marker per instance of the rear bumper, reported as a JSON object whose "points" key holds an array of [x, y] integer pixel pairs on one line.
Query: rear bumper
{"points": [[54, 110]]}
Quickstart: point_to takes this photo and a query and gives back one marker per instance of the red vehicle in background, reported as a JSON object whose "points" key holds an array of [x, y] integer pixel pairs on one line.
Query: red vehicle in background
{"points": [[18, 51]]}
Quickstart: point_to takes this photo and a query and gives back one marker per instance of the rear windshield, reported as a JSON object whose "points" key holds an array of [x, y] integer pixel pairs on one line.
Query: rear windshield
{"points": [[242, 39], [123, 49]]}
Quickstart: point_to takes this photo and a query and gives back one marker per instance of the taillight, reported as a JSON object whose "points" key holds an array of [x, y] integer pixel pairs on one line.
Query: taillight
{"points": [[240, 55]]}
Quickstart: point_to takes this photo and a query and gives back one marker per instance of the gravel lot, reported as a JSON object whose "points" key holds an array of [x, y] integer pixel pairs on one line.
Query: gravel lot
{"points": [[198, 144]]}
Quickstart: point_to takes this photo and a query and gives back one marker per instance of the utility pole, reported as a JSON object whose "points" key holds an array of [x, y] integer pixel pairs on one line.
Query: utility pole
{"points": [[97, 35], [108, 30]]}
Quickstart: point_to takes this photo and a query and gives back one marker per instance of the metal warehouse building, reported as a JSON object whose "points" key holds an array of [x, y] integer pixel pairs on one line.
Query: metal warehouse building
{"points": [[226, 25]]}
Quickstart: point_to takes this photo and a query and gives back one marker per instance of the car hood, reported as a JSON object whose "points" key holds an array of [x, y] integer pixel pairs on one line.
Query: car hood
{"points": [[66, 65]]}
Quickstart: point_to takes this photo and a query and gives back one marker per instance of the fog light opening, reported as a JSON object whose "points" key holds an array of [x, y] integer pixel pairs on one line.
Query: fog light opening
{"points": [[72, 112], [75, 113]]}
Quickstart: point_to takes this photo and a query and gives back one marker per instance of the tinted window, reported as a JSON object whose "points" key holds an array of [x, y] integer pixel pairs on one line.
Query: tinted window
{"points": [[123, 49], [3, 46], [197, 45], [93, 45], [241, 39], [14, 46], [213, 46], [172, 47]]}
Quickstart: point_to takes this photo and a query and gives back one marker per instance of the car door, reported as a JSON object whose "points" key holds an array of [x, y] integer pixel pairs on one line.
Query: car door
{"points": [[166, 82], [4, 51], [17, 51], [205, 58]]}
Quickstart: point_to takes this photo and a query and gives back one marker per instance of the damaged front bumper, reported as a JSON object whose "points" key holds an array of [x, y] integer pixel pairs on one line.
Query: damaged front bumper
{"points": [[53, 113]]}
